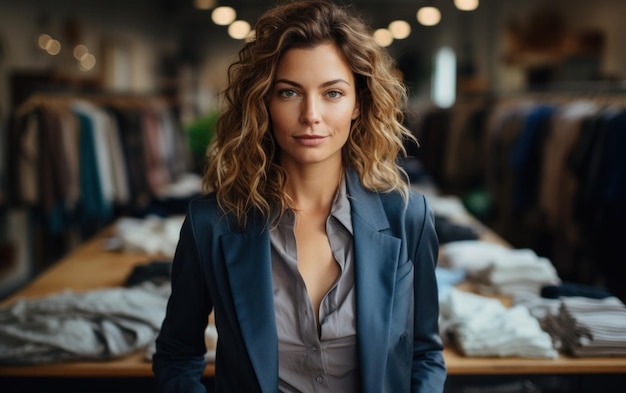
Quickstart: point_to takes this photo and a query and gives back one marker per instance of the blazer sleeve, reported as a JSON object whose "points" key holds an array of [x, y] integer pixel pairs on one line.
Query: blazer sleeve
{"points": [[429, 370], [178, 362]]}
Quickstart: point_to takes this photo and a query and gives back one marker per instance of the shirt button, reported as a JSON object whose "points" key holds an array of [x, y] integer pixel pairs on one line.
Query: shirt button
{"points": [[314, 348], [319, 379]]}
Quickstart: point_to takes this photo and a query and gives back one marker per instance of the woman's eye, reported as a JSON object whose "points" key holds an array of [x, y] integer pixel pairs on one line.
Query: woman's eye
{"points": [[287, 93], [334, 94]]}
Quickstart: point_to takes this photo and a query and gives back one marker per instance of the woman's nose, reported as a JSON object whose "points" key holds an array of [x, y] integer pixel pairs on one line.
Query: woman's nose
{"points": [[310, 111]]}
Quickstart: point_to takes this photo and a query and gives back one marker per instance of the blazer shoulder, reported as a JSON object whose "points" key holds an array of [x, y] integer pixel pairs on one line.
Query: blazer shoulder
{"points": [[204, 205], [418, 201], [415, 205], [204, 212]]}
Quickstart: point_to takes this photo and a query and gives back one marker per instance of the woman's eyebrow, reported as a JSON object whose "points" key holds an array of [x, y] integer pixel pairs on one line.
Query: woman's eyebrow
{"points": [[325, 84]]}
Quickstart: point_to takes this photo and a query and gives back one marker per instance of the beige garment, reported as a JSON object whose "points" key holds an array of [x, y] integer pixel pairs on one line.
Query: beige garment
{"points": [[557, 183], [179, 154], [155, 165], [464, 156], [170, 141], [118, 161], [504, 125], [70, 142], [29, 161]]}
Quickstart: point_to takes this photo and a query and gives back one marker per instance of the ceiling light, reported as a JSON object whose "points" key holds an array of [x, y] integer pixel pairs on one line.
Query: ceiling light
{"points": [[54, 47], [44, 41], [239, 29], [466, 5], [383, 37], [223, 15], [87, 62], [80, 51], [400, 29], [428, 16]]}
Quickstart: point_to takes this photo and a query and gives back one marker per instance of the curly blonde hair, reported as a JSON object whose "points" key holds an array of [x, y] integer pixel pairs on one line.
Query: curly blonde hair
{"points": [[242, 160]]}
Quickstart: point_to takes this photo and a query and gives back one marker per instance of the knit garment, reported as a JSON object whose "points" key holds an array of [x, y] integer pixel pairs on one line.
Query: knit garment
{"points": [[470, 255], [483, 327], [516, 272], [94, 325], [588, 327], [498, 269], [152, 235]]}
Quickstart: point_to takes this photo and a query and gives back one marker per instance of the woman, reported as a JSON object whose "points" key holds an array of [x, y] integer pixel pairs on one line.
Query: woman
{"points": [[315, 256]]}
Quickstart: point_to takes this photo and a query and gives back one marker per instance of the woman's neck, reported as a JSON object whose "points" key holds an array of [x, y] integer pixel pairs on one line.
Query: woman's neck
{"points": [[313, 189]]}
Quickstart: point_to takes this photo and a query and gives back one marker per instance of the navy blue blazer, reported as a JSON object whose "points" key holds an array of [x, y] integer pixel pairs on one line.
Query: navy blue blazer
{"points": [[219, 267]]}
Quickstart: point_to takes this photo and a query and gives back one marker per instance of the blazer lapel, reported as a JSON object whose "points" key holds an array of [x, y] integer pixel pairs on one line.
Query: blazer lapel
{"points": [[376, 255], [248, 261]]}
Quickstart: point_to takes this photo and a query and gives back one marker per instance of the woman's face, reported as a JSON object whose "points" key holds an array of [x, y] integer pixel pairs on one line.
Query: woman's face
{"points": [[312, 105]]}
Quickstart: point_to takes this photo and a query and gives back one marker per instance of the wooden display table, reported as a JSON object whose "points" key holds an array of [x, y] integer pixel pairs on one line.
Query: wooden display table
{"points": [[460, 365], [91, 267], [88, 268]]}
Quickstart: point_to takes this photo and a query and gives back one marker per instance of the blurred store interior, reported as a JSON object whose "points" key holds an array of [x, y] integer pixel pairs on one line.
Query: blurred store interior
{"points": [[491, 82], [463, 60]]}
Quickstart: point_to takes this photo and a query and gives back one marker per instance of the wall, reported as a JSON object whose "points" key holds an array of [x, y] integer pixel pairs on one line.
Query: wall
{"points": [[103, 26], [150, 29], [580, 16]]}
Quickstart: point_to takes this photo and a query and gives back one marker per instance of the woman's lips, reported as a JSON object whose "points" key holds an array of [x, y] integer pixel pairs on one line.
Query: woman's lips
{"points": [[310, 140]]}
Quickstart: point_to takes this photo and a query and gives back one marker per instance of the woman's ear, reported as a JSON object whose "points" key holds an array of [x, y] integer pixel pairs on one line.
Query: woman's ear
{"points": [[356, 111]]}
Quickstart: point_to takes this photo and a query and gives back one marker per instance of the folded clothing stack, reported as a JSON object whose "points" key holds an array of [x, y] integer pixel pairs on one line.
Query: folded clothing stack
{"points": [[549, 302], [587, 327], [483, 327], [102, 324], [470, 255], [498, 269], [153, 235], [517, 272]]}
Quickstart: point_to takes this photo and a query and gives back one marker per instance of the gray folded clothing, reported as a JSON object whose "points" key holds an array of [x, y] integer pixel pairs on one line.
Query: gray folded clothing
{"points": [[94, 325]]}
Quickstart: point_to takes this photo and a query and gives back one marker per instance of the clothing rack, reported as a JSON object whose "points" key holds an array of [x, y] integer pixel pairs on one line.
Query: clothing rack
{"points": [[567, 91], [78, 161], [98, 98], [541, 159], [557, 180]]}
